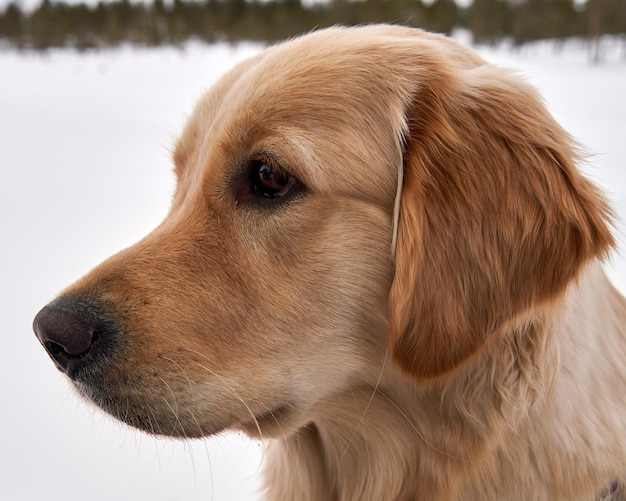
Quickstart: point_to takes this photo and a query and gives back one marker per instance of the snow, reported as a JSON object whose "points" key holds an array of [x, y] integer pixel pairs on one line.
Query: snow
{"points": [[85, 171], [84, 153]]}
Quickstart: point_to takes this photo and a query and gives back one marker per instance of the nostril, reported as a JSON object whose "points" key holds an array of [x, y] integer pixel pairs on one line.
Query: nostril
{"points": [[56, 350]]}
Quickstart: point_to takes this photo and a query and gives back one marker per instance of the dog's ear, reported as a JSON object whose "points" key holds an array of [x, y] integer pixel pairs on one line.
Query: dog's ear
{"points": [[494, 217]]}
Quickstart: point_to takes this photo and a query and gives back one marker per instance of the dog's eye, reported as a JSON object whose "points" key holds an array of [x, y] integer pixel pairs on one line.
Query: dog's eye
{"points": [[270, 181]]}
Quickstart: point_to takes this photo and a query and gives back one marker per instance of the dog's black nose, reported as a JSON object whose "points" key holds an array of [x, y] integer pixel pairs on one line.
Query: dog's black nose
{"points": [[74, 334]]}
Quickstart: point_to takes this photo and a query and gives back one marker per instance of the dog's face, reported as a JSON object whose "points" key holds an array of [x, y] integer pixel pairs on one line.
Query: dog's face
{"points": [[265, 288], [271, 285]]}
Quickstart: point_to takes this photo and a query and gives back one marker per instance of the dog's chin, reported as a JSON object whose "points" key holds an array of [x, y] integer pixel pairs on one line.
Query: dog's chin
{"points": [[155, 419], [277, 423], [163, 420]]}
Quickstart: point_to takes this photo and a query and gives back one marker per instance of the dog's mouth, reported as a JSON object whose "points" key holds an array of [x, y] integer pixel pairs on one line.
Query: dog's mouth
{"points": [[140, 410]]}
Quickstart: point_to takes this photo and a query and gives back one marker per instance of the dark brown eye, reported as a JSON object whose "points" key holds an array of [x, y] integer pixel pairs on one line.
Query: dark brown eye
{"points": [[270, 181]]}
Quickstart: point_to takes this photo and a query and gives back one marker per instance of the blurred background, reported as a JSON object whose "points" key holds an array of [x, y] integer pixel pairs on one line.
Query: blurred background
{"points": [[92, 97], [101, 23]]}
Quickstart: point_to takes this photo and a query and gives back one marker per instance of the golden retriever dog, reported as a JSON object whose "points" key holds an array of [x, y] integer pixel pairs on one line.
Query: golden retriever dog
{"points": [[382, 260]]}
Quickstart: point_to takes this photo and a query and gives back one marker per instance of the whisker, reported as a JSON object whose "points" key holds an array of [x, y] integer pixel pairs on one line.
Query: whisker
{"points": [[174, 410], [208, 457], [195, 420], [233, 392], [158, 456], [280, 427], [228, 385], [369, 403], [190, 384], [418, 432]]}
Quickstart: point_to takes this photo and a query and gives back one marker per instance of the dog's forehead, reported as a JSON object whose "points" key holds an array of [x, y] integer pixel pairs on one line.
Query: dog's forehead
{"points": [[338, 95], [330, 104], [327, 74], [319, 102]]}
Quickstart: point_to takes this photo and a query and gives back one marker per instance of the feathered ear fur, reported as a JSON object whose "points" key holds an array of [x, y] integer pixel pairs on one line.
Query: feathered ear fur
{"points": [[494, 218]]}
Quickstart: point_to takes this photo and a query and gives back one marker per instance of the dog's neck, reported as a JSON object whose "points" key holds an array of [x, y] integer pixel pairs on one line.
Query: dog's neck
{"points": [[366, 442]]}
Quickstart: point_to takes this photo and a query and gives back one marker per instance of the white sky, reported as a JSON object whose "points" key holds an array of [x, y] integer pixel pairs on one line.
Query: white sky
{"points": [[85, 171]]}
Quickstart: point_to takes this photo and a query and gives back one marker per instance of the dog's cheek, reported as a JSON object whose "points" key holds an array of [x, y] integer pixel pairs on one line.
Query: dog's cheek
{"points": [[333, 299]]}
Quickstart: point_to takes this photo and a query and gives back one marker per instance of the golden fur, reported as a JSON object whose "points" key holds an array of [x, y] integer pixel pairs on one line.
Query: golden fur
{"points": [[481, 359]]}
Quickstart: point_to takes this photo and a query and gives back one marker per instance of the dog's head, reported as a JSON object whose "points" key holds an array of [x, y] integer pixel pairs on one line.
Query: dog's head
{"points": [[349, 192]]}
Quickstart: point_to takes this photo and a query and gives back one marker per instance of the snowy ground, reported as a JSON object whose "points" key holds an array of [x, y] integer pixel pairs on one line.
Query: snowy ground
{"points": [[84, 171]]}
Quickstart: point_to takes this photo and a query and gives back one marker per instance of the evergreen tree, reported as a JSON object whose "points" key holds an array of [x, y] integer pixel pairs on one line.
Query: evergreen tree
{"points": [[441, 16], [489, 20], [12, 25], [54, 23]]}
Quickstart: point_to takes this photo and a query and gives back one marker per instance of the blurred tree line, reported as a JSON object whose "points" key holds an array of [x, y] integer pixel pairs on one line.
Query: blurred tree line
{"points": [[57, 24]]}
